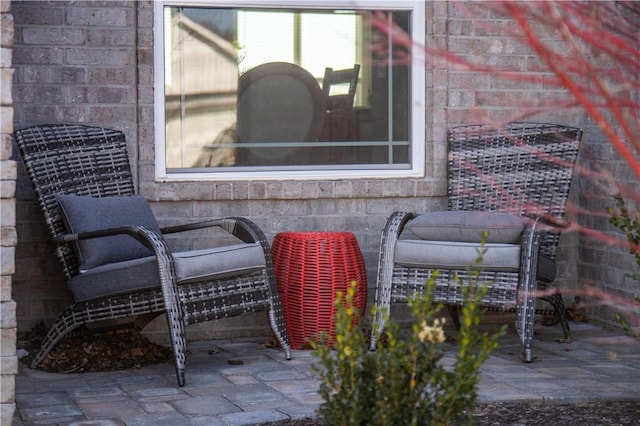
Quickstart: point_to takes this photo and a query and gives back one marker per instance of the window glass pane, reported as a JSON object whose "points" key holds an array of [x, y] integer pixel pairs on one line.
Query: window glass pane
{"points": [[251, 88]]}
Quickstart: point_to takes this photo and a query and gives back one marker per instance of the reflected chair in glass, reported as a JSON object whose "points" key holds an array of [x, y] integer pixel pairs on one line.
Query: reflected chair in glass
{"points": [[341, 122], [334, 84], [512, 182], [115, 257]]}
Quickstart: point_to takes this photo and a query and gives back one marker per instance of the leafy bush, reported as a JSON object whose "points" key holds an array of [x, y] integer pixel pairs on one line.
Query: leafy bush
{"points": [[404, 381], [629, 224]]}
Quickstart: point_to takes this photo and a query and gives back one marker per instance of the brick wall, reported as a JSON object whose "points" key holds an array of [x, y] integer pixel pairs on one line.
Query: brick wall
{"points": [[8, 237], [75, 62], [92, 62], [605, 266]]}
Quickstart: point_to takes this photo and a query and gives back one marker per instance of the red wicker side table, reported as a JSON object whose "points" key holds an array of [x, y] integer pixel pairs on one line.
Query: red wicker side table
{"points": [[310, 268]]}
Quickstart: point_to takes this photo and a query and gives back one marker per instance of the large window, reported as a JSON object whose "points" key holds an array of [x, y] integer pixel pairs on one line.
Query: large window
{"points": [[295, 89]]}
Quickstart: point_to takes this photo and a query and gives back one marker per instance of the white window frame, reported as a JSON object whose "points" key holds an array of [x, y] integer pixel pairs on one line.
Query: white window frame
{"points": [[417, 101]]}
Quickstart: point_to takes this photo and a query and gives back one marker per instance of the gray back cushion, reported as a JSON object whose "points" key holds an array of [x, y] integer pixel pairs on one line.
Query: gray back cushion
{"points": [[82, 214]]}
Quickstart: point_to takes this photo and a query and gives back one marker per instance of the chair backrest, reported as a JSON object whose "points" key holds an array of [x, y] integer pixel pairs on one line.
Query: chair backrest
{"points": [[336, 99], [523, 168], [73, 159]]}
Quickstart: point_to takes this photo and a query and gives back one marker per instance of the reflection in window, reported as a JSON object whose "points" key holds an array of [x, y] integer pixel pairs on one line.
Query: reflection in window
{"points": [[285, 89]]}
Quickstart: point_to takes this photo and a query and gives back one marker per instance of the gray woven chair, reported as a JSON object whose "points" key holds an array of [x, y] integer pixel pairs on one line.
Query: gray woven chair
{"points": [[83, 182], [512, 182]]}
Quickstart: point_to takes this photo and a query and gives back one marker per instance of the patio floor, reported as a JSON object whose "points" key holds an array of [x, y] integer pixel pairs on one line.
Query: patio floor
{"points": [[599, 364]]}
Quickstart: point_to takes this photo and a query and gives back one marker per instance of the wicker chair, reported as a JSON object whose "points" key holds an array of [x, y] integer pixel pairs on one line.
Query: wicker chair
{"points": [[83, 182], [512, 182]]}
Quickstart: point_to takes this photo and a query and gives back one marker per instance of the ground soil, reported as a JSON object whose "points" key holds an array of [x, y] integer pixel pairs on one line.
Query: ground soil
{"points": [[605, 413], [110, 351], [124, 349]]}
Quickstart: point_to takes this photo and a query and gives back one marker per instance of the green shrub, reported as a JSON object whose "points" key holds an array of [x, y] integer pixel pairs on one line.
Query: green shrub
{"points": [[629, 224], [404, 381]]}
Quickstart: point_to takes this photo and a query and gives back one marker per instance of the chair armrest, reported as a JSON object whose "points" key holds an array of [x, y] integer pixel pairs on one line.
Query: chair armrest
{"points": [[548, 223], [151, 239], [239, 227], [392, 230], [134, 231]]}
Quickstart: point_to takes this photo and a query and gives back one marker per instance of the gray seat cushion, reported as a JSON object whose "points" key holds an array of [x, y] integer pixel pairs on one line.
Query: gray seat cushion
{"points": [[456, 255], [460, 255], [467, 226], [219, 262], [82, 214], [142, 274]]}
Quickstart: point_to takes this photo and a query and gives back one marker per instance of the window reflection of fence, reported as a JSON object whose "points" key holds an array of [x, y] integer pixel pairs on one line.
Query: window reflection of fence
{"points": [[200, 98]]}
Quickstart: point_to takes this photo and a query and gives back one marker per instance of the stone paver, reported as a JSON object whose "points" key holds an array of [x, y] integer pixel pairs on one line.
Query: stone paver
{"points": [[599, 364]]}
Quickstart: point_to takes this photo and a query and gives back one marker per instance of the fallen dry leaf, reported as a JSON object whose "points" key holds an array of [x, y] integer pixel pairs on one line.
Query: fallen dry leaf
{"points": [[94, 352]]}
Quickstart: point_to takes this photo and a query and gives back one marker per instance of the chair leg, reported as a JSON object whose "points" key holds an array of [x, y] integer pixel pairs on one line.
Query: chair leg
{"points": [[178, 338], [64, 324], [526, 304], [143, 320], [454, 312], [70, 320], [392, 229], [276, 320], [376, 329], [557, 302], [525, 319], [73, 317], [173, 305]]}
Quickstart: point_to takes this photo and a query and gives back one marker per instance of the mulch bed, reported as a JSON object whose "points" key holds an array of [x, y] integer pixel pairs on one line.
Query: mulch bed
{"points": [[108, 351], [609, 413]]}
